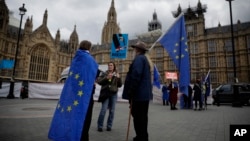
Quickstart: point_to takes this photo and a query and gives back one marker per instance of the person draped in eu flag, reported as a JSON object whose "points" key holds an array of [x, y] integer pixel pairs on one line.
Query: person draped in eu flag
{"points": [[73, 113]]}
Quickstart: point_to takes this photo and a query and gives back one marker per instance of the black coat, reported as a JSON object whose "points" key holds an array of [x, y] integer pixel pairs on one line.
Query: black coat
{"points": [[197, 92]]}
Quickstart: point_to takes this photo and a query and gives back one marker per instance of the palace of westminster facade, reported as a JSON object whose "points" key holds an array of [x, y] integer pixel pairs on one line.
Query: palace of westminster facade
{"points": [[42, 57]]}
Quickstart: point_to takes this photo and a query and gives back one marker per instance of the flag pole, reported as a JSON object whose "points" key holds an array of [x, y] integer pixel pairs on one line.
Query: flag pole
{"points": [[207, 75], [129, 119], [155, 42]]}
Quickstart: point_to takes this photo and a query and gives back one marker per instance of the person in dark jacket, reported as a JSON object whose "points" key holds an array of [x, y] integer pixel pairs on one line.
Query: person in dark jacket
{"points": [[165, 94], [173, 91], [197, 95], [190, 93], [138, 90], [88, 119]]}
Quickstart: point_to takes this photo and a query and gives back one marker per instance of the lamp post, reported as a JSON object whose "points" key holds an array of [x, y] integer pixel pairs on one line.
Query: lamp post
{"points": [[236, 97], [12, 81], [232, 38]]}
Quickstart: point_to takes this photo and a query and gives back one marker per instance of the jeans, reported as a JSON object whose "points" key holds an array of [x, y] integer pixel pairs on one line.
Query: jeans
{"points": [[109, 103]]}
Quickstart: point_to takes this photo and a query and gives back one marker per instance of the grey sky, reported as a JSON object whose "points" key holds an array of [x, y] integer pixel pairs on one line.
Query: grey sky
{"points": [[132, 15]]}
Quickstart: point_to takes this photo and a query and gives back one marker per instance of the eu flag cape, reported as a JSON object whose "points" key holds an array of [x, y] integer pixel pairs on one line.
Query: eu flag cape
{"points": [[68, 120]]}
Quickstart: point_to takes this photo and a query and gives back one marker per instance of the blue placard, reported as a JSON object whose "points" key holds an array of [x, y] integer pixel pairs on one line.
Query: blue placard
{"points": [[119, 46]]}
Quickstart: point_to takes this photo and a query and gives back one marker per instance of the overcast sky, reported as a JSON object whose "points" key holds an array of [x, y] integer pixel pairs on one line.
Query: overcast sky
{"points": [[132, 15]]}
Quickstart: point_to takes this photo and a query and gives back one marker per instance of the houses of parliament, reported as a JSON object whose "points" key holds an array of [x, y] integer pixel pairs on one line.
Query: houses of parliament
{"points": [[42, 57]]}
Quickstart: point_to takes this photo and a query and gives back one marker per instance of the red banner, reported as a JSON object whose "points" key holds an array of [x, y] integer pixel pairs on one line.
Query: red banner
{"points": [[171, 75]]}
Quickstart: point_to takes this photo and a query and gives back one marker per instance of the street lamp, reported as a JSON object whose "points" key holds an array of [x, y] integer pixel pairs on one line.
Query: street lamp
{"points": [[236, 96], [12, 81], [232, 38]]}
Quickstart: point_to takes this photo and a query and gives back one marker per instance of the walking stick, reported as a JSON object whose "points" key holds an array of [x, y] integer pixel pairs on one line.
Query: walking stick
{"points": [[129, 117]]}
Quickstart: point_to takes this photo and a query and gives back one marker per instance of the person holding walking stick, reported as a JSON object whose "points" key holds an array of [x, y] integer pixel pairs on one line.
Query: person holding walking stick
{"points": [[138, 90]]}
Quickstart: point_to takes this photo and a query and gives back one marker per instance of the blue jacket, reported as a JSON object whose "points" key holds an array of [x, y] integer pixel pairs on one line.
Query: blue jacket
{"points": [[165, 94], [138, 85]]}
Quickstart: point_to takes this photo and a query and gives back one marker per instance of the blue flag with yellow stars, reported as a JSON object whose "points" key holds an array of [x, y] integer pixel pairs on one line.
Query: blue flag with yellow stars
{"points": [[67, 123], [156, 82], [175, 42]]}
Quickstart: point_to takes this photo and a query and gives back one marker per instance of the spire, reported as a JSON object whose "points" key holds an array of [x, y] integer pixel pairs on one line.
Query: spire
{"points": [[110, 26], [57, 41], [28, 26], [74, 34], [45, 17], [199, 8], [154, 16], [155, 23], [112, 12], [112, 3], [73, 41], [178, 12]]}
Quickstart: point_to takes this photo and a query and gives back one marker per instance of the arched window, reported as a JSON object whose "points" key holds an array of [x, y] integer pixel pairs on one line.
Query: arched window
{"points": [[39, 63]]}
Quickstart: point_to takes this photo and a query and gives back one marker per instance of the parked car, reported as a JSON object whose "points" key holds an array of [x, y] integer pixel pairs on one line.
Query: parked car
{"points": [[230, 93]]}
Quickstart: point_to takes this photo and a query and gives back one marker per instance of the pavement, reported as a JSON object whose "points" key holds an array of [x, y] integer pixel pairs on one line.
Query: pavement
{"points": [[29, 120]]}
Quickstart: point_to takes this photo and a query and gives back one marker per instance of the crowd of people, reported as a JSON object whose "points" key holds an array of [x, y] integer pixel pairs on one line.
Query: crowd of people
{"points": [[197, 94], [69, 125], [137, 90]]}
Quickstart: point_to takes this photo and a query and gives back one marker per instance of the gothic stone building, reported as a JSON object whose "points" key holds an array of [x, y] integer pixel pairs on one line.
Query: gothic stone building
{"points": [[42, 57], [210, 49]]}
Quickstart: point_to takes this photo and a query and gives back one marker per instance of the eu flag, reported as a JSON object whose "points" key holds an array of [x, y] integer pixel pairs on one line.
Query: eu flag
{"points": [[175, 42], [208, 84], [68, 120], [156, 78]]}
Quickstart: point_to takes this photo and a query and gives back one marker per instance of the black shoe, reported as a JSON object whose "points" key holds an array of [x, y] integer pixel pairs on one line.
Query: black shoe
{"points": [[99, 129], [108, 129], [137, 139]]}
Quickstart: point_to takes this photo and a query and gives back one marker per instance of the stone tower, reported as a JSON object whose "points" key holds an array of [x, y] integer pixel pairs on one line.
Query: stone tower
{"points": [[110, 26], [73, 41], [154, 24], [4, 16]]}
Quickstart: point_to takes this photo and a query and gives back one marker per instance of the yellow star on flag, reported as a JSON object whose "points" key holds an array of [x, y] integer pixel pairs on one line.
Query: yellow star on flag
{"points": [[76, 103], [69, 108], [77, 76], [80, 93], [81, 83], [58, 106]]}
